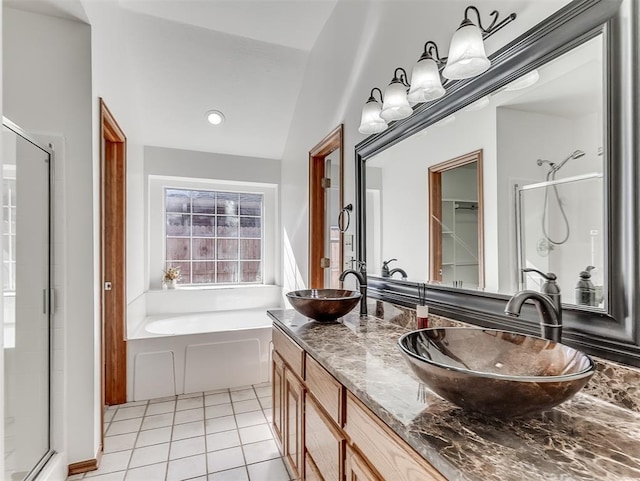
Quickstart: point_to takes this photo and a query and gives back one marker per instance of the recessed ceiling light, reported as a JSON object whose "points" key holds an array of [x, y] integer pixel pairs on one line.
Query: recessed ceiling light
{"points": [[523, 82], [478, 104], [215, 117]]}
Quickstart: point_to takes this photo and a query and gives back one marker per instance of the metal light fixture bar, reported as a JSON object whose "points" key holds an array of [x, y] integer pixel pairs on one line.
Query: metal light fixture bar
{"points": [[494, 26]]}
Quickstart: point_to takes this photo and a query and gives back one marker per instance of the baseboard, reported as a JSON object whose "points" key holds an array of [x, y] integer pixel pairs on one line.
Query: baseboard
{"points": [[87, 465]]}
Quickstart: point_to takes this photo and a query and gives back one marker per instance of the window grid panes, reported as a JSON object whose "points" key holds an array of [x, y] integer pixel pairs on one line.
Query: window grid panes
{"points": [[214, 237], [9, 233]]}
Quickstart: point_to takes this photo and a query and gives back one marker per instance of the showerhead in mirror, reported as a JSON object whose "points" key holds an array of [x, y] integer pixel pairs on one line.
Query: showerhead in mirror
{"points": [[553, 167]]}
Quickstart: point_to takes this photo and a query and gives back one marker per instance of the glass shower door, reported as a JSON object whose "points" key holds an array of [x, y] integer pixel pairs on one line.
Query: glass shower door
{"points": [[26, 288]]}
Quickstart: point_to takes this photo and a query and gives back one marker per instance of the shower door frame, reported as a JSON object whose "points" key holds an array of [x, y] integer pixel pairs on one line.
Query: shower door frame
{"points": [[49, 294]]}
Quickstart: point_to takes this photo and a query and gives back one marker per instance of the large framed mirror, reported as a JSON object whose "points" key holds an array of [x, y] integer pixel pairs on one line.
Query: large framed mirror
{"points": [[554, 119]]}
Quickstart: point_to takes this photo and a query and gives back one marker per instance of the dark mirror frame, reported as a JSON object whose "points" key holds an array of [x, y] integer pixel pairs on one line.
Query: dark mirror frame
{"points": [[615, 333]]}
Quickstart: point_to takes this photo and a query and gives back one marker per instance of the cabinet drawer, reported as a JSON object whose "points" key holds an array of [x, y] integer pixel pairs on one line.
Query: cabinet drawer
{"points": [[324, 443], [324, 387], [290, 352], [311, 472], [383, 448]]}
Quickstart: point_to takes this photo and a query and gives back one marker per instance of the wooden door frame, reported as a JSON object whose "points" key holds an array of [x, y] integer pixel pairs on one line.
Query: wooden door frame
{"points": [[317, 155], [435, 213], [113, 167]]}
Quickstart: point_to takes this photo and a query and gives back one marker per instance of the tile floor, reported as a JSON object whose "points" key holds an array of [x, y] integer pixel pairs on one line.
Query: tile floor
{"points": [[220, 435]]}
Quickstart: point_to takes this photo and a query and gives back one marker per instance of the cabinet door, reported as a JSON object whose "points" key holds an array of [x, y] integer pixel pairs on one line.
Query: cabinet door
{"points": [[357, 469], [277, 392], [324, 443], [293, 423]]}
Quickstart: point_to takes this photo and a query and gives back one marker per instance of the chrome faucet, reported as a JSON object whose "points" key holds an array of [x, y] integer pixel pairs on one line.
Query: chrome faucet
{"points": [[550, 324], [361, 275]]}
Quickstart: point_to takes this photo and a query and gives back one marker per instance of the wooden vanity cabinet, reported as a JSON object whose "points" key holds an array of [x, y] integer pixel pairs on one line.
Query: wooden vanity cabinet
{"points": [[357, 469], [326, 434]]}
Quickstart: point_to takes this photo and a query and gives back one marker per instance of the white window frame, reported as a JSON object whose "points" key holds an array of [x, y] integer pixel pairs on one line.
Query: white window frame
{"points": [[157, 232]]}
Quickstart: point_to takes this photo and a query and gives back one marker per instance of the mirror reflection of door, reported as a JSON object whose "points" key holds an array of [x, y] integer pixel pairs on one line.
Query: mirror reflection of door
{"points": [[456, 222]]}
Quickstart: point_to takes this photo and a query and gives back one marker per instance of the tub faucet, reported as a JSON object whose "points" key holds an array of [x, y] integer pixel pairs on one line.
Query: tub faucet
{"points": [[397, 269], [361, 275], [550, 324]]}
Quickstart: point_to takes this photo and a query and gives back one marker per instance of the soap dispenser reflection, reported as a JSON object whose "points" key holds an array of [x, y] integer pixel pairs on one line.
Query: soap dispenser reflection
{"points": [[585, 290]]}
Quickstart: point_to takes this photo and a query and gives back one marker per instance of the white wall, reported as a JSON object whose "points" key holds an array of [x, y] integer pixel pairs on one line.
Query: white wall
{"points": [[358, 49], [47, 89]]}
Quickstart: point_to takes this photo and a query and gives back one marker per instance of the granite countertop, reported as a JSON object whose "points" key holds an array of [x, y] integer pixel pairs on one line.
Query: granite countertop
{"points": [[583, 439]]}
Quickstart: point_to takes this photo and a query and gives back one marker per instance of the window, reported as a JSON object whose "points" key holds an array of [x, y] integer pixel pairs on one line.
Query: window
{"points": [[215, 237]]}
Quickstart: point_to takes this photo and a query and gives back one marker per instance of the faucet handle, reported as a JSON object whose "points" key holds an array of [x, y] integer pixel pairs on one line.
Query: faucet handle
{"points": [[386, 263], [549, 276]]}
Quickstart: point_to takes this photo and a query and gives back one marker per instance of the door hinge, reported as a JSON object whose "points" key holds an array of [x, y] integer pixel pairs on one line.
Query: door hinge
{"points": [[325, 262], [107, 286], [325, 183]]}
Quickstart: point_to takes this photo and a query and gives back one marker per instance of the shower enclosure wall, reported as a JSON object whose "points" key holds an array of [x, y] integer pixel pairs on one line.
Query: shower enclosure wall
{"points": [[564, 237], [26, 255]]}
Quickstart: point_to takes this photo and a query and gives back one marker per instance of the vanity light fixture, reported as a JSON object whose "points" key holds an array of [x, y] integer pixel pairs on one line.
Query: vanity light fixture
{"points": [[215, 117], [395, 105], [371, 122], [426, 84], [467, 57]]}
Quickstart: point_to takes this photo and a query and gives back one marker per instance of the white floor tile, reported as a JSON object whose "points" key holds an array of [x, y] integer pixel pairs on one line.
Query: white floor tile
{"points": [[75, 477], [217, 425], [266, 402], [250, 419], [189, 416], [272, 470], [189, 395], [246, 406], [261, 451], [111, 463], [123, 427], [189, 430], [120, 442], [157, 421], [187, 468], [225, 459], [154, 436], [189, 403], [187, 447], [108, 415], [154, 472], [162, 399], [149, 455], [268, 414], [262, 384], [223, 440], [240, 388], [218, 410], [132, 404], [219, 398], [244, 395], [236, 474], [216, 391], [253, 434], [119, 476], [161, 408], [129, 413], [263, 391]]}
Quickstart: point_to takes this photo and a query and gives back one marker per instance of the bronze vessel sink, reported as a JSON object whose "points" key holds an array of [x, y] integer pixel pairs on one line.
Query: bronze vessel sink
{"points": [[323, 305], [498, 373]]}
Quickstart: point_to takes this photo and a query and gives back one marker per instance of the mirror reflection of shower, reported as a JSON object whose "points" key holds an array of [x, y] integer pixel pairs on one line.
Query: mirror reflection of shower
{"points": [[551, 176]]}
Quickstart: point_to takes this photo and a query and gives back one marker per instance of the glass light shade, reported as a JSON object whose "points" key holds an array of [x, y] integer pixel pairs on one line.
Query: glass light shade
{"points": [[467, 57], [395, 105], [425, 82], [371, 122], [215, 117]]}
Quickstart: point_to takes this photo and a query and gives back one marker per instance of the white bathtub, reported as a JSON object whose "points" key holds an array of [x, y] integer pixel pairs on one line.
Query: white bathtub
{"points": [[175, 354]]}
